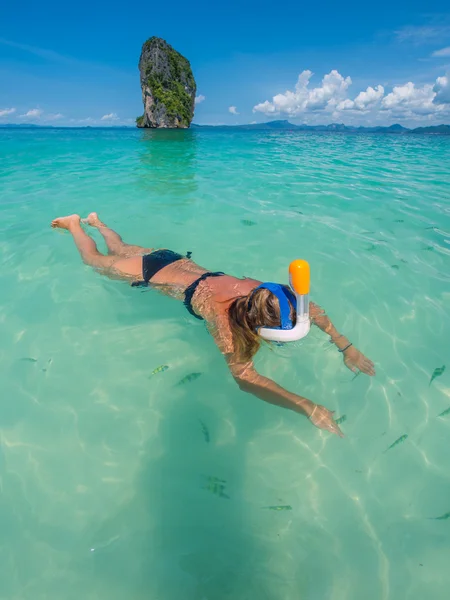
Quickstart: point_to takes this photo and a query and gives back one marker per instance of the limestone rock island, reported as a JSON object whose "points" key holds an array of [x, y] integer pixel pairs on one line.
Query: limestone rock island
{"points": [[168, 86]]}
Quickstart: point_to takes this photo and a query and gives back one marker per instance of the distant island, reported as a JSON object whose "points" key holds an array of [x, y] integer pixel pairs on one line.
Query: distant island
{"points": [[168, 87], [333, 127], [273, 126]]}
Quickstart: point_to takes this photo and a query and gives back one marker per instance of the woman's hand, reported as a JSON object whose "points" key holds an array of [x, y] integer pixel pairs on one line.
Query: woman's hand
{"points": [[356, 362], [322, 418]]}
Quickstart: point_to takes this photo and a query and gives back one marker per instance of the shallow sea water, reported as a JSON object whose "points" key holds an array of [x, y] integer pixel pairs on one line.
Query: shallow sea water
{"points": [[109, 476]]}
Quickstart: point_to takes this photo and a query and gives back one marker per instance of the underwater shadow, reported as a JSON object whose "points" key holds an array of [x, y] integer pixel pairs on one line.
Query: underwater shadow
{"points": [[182, 534], [193, 524]]}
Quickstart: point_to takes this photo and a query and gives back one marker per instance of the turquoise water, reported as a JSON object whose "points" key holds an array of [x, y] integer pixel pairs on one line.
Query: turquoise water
{"points": [[107, 473]]}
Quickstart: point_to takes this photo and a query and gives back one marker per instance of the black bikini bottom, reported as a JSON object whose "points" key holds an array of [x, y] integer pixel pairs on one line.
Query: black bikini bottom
{"points": [[154, 262], [157, 260]]}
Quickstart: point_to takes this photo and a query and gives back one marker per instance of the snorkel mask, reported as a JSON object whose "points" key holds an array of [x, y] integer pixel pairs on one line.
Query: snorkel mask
{"points": [[299, 298]]}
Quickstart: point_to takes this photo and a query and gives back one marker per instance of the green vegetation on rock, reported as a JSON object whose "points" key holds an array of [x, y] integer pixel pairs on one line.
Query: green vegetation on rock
{"points": [[174, 97], [169, 79]]}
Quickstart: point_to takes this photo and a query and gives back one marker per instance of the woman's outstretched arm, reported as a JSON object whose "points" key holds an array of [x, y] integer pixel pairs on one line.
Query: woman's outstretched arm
{"points": [[249, 380], [353, 358]]}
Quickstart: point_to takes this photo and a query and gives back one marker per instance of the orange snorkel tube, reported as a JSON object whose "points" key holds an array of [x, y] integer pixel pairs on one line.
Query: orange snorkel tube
{"points": [[299, 279]]}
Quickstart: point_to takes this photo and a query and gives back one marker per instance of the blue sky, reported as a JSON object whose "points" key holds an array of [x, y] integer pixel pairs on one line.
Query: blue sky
{"points": [[359, 63]]}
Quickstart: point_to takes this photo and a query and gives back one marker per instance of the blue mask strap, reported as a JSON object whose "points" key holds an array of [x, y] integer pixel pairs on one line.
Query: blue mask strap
{"points": [[283, 296], [290, 295]]}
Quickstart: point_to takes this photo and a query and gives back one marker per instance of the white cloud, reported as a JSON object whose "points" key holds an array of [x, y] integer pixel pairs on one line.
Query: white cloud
{"points": [[34, 113], [199, 99], [422, 34], [110, 117], [38, 114], [86, 120], [330, 99], [268, 108], [442, 53], [332, 91], [346, 104], [233, 110], [6, 111], [364, 100], [442, 90], [54, 117], [410, 99]]}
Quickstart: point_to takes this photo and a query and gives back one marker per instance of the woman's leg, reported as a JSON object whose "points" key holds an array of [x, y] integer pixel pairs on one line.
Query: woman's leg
{"points": [[85, 244], [130, 267], [113, 240]]}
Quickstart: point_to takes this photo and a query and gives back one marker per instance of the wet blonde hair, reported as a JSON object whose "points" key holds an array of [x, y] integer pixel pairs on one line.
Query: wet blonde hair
{"points": [[246, 314]]}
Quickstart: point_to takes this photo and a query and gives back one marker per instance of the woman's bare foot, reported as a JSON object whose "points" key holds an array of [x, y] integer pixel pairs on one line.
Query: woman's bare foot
{"points": [[66, 222], [93, 220]]}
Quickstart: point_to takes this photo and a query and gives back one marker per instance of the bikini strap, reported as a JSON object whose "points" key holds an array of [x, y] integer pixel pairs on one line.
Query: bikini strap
{"points": [[191, 289]]}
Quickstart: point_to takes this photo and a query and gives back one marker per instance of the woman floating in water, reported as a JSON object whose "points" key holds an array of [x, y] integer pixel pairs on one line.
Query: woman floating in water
{"points": [[234, 309]]}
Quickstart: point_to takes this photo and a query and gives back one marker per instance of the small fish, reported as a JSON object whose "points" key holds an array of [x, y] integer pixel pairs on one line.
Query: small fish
{"points": [[281, 507], [29, 359], [399, 221], [401, 439], [248, 222], [437, 373], [445, 413], [341, 420], [213, 487], [49, 362], [442, 517], [371, 248], [299, 212], [188, 378], [429, 248], [404, 261], [217, 487], [204, 431], [396, 267], [159, 369], [355, 376]]}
